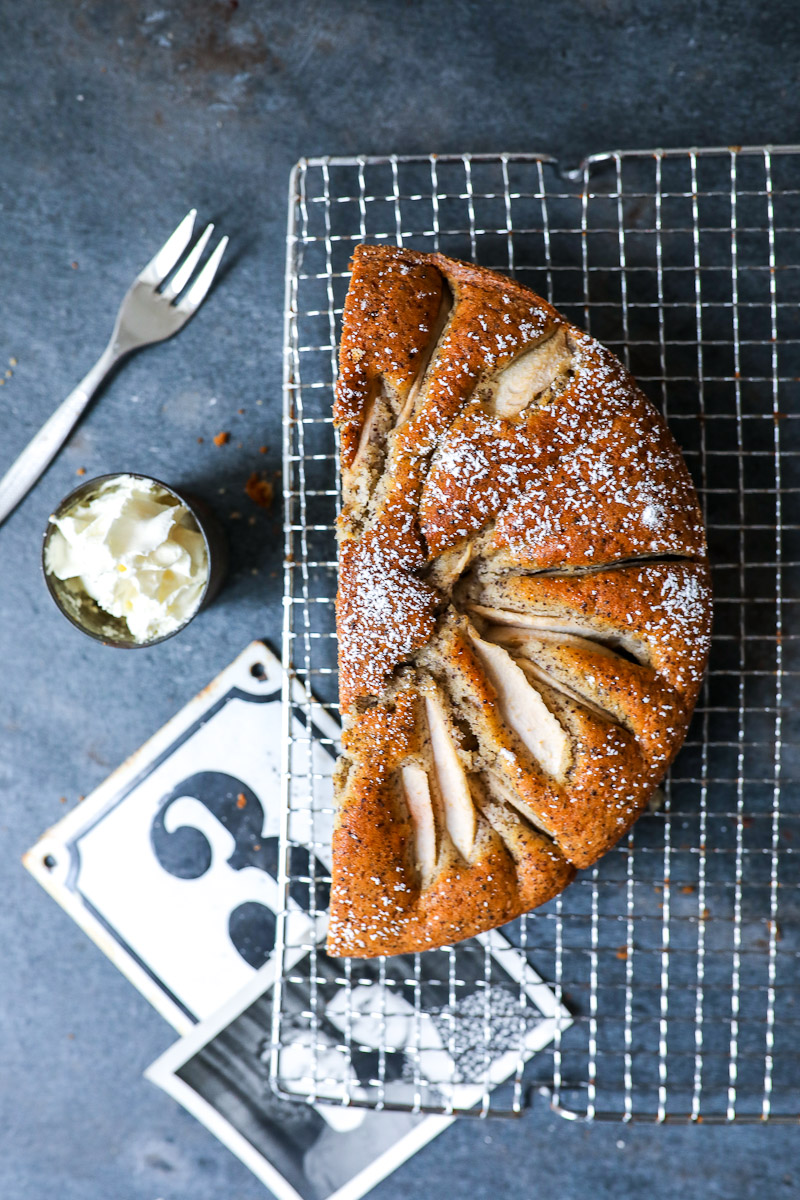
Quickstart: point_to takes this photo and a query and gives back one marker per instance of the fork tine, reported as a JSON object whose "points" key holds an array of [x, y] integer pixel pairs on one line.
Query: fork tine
{"points": [[187, 268], [169, 254], [194, 297]]}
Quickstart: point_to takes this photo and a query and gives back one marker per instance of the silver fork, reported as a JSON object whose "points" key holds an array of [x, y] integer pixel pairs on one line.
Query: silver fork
{"points": [[146, 315]]}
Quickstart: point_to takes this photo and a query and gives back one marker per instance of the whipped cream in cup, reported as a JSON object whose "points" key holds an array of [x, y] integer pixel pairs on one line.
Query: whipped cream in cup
{"points": [[130, 561]]}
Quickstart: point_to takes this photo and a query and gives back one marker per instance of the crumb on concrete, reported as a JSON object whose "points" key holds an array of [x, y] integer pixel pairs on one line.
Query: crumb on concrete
{"points": [[222, 438], [81, 471], [259, 490]]}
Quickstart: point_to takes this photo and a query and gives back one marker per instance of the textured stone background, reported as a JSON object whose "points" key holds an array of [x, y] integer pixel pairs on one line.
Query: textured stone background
{"points": [[115, 118]]}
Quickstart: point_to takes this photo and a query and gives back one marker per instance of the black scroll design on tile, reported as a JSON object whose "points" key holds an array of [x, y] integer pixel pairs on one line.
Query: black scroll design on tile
{"points": [[185, 853]]}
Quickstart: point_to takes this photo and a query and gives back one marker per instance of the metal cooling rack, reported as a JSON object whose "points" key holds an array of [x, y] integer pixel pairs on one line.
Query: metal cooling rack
{"points": [[677, 956]]}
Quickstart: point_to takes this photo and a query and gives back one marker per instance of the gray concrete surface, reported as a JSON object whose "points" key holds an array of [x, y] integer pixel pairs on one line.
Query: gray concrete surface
{"points": [[115, 118]]}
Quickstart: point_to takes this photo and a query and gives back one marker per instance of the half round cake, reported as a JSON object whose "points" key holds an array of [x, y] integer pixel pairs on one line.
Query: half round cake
{"points": [[523, 609]]}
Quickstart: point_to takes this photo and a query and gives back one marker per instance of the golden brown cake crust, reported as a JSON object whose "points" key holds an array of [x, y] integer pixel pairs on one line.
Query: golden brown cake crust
{"points": [[523, 608], [388, 316]]}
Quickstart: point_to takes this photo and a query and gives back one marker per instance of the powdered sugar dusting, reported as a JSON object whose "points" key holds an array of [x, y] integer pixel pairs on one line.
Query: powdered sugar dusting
{"points": [[684, 604], [385, 611], [591, 475]]}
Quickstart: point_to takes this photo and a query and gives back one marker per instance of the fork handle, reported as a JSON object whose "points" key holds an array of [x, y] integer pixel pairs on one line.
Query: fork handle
{"points": [[45, 445]]}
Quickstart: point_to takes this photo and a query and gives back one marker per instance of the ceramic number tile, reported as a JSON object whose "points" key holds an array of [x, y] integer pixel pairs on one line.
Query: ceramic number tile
{"points": [[171, 865]]}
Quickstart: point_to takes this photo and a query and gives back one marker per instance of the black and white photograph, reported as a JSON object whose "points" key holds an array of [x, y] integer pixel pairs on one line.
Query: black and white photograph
{"points": [[347, 1039], [220, 1073]]}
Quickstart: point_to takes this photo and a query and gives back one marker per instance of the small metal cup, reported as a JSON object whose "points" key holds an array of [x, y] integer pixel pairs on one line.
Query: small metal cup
{"points": [[92, 620]]}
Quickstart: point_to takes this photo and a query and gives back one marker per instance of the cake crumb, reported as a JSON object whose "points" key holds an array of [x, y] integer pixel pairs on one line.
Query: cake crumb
{"points": [[262, 449], [222, 438], [81, 471], [241, 800], [259, 490]]}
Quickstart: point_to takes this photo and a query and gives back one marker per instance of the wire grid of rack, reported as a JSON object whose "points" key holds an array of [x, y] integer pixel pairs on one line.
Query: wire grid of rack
{"points": [[677, 956]]}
